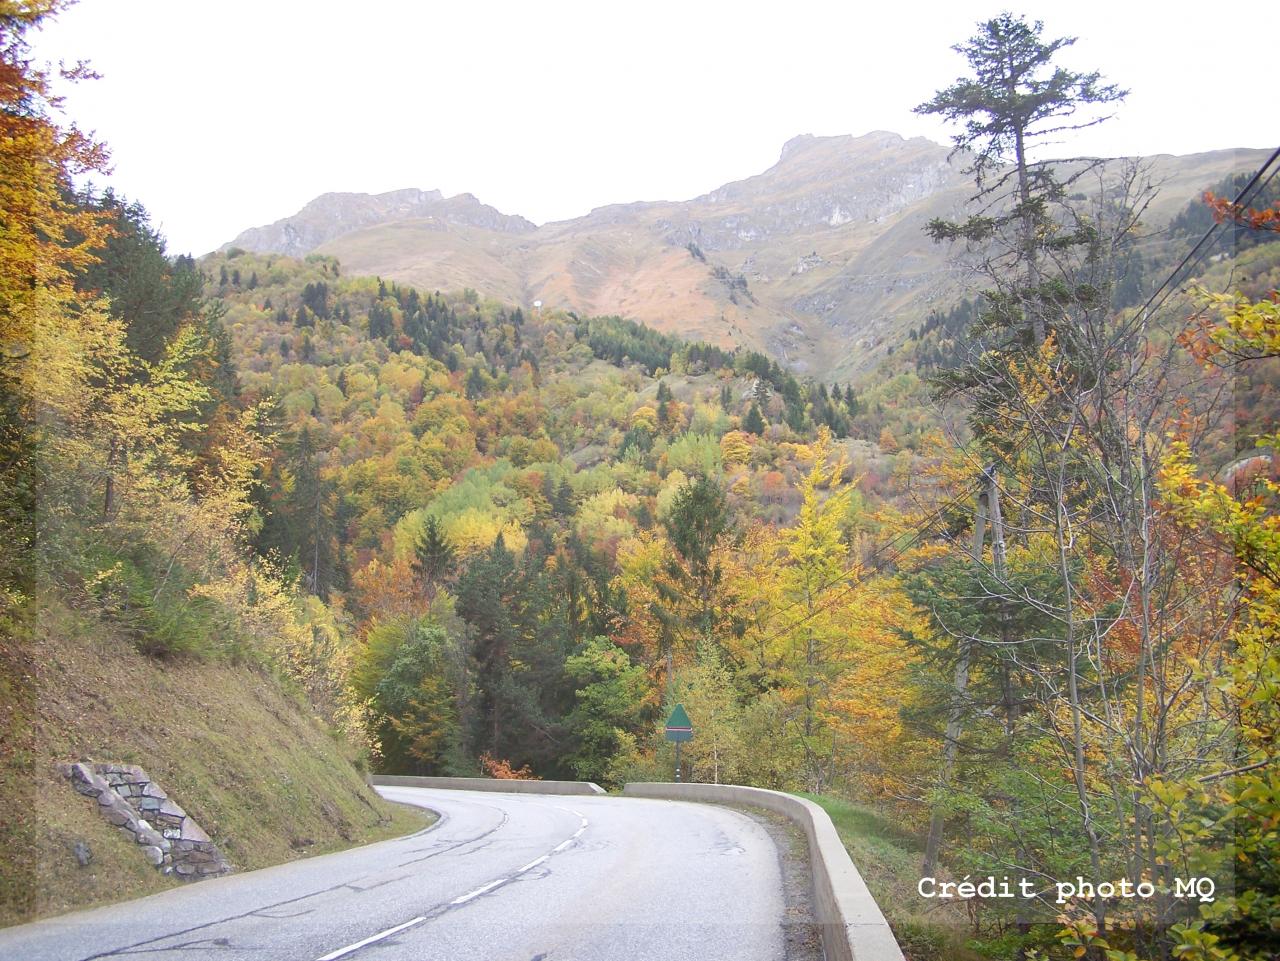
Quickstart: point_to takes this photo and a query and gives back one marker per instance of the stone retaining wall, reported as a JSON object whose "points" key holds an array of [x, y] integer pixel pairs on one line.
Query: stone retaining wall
{"points": [[128, 799]]}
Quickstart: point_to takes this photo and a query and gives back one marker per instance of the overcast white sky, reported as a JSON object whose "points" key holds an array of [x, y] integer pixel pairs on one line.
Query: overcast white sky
{"points": [[227, 115]]}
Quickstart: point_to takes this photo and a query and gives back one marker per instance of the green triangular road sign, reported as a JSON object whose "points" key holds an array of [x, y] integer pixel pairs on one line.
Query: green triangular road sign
{"points": [[679, 720]]}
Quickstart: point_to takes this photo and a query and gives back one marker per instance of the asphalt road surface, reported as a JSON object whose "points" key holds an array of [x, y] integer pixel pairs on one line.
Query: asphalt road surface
{"points": [[501, 877]]}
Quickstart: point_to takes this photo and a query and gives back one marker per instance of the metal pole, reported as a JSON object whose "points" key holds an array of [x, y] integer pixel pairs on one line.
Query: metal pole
{"points": [[677, 762]]}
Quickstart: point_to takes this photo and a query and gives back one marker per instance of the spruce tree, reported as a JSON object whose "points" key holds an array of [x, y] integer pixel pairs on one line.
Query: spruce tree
{"points": [[433, 555], [664, 398], [565, 502], [1016, 99], [691, 594]]}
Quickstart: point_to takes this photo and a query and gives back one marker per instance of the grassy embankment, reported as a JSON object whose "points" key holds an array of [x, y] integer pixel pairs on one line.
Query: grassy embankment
{"points": [[229, 742], [889, 860]]}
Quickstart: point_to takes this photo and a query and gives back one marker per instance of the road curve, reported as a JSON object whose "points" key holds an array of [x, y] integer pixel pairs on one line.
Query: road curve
{"points": [[501, 877]]}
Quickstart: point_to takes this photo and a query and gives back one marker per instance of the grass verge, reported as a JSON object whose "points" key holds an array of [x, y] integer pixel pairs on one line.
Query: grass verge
{"points": [[245, 757], [888, 859]]}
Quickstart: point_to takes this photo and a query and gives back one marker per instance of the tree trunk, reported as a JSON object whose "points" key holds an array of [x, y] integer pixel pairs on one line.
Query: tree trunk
{"points": [[960, 685]]}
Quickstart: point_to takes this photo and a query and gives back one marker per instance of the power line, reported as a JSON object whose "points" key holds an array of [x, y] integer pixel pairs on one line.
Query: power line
{"points": [[922, 528], [1246, 195], [874, 565], [1255, 186]]}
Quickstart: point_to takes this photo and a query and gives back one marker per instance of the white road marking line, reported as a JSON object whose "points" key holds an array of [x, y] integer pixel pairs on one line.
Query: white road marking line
{"points": [[477, 892], [343, 952]]}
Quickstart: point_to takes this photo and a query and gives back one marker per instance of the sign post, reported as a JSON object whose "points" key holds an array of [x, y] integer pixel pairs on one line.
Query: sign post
{"points": [[679, 730]]}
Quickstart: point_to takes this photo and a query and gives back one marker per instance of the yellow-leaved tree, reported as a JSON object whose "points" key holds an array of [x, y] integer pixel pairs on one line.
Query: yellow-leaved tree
{"points": [[45, 236]]}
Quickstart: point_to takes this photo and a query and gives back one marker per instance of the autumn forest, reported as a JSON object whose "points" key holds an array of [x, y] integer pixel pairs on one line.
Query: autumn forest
{"points": [[1014, 596]]}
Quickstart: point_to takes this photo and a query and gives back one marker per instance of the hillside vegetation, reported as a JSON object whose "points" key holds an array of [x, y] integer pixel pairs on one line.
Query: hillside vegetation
{"points": [[243, 754], [136, 625], [818, 261], [1031, 623], [492, 496]]}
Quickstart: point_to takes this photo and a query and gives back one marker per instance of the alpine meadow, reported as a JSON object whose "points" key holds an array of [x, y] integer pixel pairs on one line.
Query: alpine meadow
{"points": [[936, 484]]}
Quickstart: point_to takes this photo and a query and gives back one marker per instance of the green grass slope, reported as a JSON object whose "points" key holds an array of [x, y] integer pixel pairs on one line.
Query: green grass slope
{"points": [[888, 859], [234, 747]]}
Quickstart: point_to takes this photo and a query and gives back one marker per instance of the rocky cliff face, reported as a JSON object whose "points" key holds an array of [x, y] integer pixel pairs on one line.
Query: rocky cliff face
{"points": [[820, 182], [330, 216], [820, 260]]}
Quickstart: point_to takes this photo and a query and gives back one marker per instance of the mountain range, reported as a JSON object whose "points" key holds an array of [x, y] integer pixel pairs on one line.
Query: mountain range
{"points": [[819, 261]]}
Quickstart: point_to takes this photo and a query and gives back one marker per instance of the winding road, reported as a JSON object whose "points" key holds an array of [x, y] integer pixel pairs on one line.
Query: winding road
{"points": [[500, 877]]}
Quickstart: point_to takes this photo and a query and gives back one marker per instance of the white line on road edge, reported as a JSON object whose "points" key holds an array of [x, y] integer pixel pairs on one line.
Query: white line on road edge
{"points": [[477, 892], [342, 952]]}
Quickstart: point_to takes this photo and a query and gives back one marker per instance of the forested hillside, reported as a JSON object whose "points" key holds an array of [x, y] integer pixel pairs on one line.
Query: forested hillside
{"points": [[536, 524], [136, 625], [817, 261], [1016, 595]]}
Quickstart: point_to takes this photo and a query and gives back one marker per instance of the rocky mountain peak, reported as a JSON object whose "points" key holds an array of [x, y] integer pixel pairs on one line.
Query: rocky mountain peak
{"points": [[796, 143], [818, 260], [332, 215], [819, 182]]}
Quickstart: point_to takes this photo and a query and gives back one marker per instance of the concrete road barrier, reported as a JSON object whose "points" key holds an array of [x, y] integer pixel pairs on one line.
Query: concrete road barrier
{"points": [[853, 927], [487, 784]]}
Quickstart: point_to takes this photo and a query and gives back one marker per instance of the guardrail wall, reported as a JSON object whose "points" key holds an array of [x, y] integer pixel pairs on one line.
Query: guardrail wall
{"points": [[853, 927], [487, 784]]}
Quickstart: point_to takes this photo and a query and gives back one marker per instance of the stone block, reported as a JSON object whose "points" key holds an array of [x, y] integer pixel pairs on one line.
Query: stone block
{"points": [[128, 799], [129, 771], [120, 816], [83, 853], [83, 779]]}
